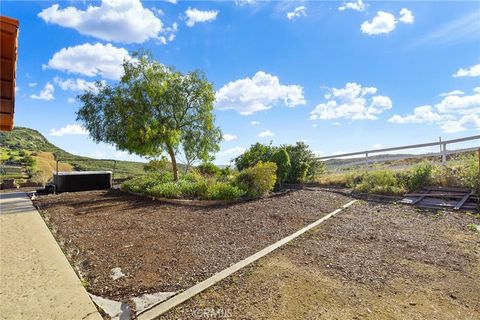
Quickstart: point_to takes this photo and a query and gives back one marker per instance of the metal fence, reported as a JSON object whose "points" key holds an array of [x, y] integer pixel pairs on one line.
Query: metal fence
{"points": [[441, 154]]}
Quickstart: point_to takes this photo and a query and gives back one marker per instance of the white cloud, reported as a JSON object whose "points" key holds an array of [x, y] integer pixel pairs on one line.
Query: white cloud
{"points": [[454, 113], [473, 71], [261, 92], [46, 94], [245, 2], [352, 102], [194, 15], [255, 123], [298, 12], [266, 134], [125, 21], [171, 1], [121, 154], [32, 84], [471, 121], [69, 129], [358, 5], [385, 22], [74, 84], [406, 16], [17, 88], [377, 146], [229, 137], [70, 100], [452, 93], [234, 151], [91, 60], [423, 114]]}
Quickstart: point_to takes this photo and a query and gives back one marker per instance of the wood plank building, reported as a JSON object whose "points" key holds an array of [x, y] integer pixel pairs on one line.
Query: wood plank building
{"points": [[9, 36]]}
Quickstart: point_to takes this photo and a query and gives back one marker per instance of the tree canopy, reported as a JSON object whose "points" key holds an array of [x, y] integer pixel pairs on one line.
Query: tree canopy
{"points": [[152, 110]]}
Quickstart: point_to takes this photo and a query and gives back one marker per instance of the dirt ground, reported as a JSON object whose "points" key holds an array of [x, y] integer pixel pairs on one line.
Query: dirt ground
{"points": [[371, 261], [162, 247]]}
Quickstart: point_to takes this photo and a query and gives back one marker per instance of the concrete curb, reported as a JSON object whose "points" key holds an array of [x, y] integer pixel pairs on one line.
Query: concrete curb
{"points": [[159, 309]]}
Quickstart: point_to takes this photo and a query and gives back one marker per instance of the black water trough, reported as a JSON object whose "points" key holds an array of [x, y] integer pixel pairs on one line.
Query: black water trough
{"points": [[82, 181]]}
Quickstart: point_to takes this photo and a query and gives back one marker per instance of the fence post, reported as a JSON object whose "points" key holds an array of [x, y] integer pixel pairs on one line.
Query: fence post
{"points": [[444, 153]]}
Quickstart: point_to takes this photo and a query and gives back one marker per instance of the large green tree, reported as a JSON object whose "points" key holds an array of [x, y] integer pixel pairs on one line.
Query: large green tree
{"points": [[153, 110]]}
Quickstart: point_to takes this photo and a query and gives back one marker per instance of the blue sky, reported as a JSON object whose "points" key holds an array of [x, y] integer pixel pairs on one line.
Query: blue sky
{"points": [[342, 76]]}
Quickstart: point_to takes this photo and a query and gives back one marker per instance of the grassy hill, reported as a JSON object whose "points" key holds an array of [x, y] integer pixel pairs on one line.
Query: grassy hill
{"points": [[26, 154]]}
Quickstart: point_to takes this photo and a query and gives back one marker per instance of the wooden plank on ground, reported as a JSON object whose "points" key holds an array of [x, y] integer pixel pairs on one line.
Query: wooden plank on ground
{"points": [[462, 201]]}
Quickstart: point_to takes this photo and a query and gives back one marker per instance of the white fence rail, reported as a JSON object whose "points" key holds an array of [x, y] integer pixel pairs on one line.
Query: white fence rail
{"points": [[443, 153]]}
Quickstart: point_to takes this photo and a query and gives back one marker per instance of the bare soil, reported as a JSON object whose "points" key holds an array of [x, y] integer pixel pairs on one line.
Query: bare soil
{"points": [[371, 261], [163, 247]]}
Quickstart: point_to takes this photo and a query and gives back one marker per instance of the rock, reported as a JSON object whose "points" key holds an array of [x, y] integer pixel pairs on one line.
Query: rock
{"points": [[116, 273]]}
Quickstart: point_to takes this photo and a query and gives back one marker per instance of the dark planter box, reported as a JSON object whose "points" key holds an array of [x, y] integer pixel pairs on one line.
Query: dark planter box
{"points": [[82, 180]]}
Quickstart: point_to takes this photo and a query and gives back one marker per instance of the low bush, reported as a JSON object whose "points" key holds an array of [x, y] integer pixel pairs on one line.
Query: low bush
{"points": [[223, 191], [209, 169], [419, 176], [257, 180], [142, 183], [381, 182]]}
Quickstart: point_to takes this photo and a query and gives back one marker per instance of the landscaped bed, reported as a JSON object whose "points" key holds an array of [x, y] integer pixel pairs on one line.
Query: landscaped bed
{"points": [[162, 247], [372, 261]]}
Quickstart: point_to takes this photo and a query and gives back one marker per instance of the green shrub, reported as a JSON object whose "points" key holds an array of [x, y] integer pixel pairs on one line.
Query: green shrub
{"points": [[223, 191], [257, 180], [381, 182], [304, 164], [209, 169], [157, 165], [419, 176], [166, 190], [468, 173], [142, 183], [282, 160], [256, 153]]}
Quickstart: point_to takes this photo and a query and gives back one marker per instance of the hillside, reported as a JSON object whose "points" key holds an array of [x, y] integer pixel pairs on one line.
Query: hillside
{"points": [[26, 154]]}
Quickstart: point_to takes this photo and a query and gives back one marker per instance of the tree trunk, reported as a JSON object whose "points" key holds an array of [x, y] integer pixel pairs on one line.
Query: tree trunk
{"points": [[174, 163]]}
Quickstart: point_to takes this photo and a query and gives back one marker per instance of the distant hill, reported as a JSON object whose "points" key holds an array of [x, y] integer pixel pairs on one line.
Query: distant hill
{"points": [[26, 154]]}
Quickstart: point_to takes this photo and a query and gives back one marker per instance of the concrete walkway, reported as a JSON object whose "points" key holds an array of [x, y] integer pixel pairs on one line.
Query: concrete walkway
{"points": [[36, 280]]}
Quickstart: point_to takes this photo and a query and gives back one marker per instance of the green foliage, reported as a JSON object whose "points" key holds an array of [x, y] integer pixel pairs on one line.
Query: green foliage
{"points": [[256, 153], [469, 174], [209, 169], [419, 176], [282, 160], [143, 183], [223, 191], [153, 109], [303, 162], [257, 180], [472, 227], [157, 165], [380, 182], [191, 186]]}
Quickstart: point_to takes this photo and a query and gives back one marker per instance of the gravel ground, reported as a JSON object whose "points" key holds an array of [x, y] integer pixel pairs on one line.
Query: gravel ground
{"points": [[371, 261], [162, 247]]}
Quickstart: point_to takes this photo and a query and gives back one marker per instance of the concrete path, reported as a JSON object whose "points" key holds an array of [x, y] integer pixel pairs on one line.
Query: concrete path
{"points": [[36, 280]]}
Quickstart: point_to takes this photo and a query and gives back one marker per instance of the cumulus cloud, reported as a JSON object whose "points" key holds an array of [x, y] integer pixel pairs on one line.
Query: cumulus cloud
{"points": [[74, 84], [454, 113], [46, 93], [452, 93], [90, 60], [32, 84], [69, 129], [385, 22], [255, 123], [261, 92], [195, 16], [125, 21], [352, 102], [473, 71], [358, 5], [297, 12], [229, 137], [266, 134], [406, 16]]}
